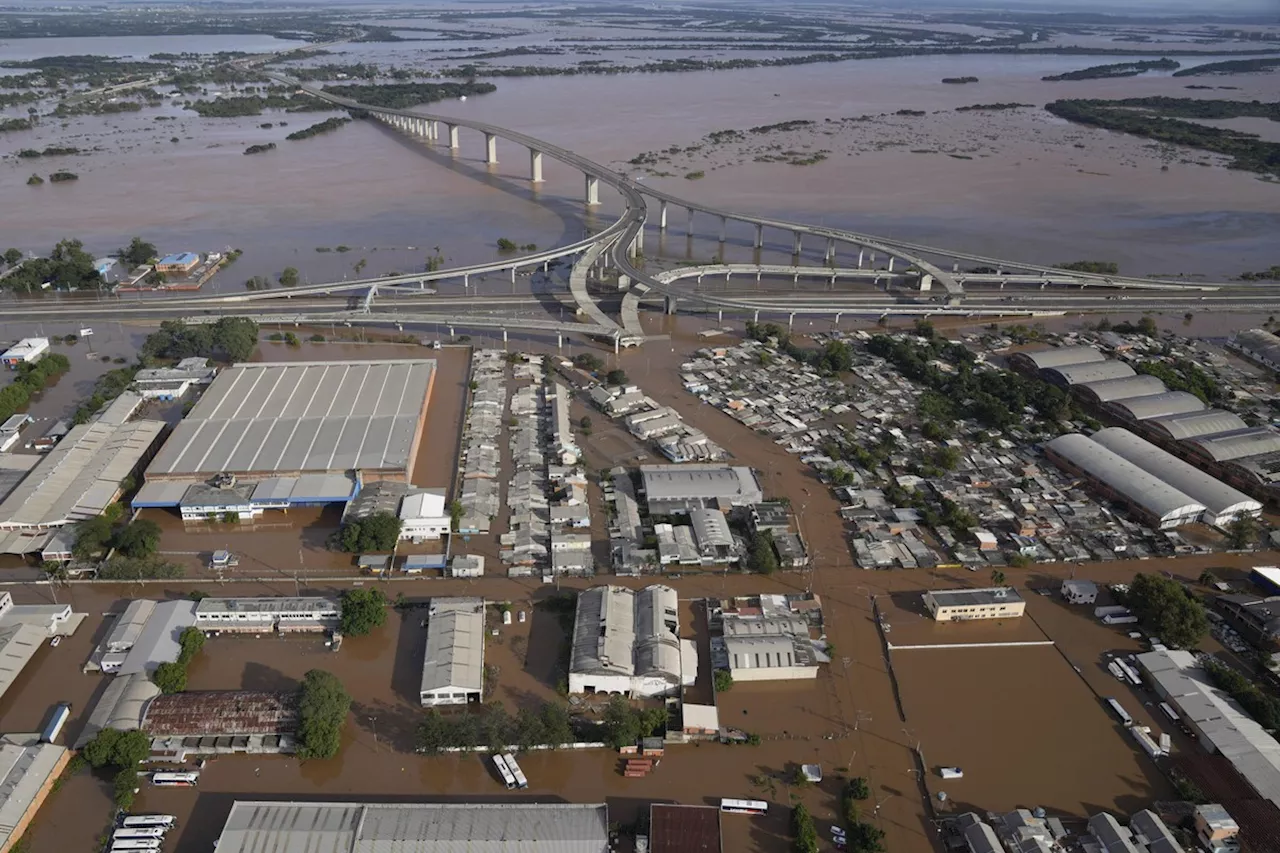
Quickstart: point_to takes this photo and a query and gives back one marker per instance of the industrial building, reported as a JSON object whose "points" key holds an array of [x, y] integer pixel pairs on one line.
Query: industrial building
{"points": [[28, 770], [677, 489], [1221, 726], [278, 435], [1153, 500], [221, 722], [121, 706], [1236, 444], [144, 636], [284, 615], [960, 605], [679, 828], [24, 628], [1257, 345], [172, 383], [767, 638], [1154, 406], [627, 642], [1106, 390], [1069, 375], [1036, 360], [25, 350], [252, 827], [453, 664], [1255, 617], [1194, 424], [1223, 503]]}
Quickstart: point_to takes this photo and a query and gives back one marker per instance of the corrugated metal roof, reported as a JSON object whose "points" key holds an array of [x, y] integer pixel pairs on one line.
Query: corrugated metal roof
{"points": [[1079, 374], [1061, 356], [454, 655], [1196, 424], [128, 625], [160, 493], [1239, 444], [222, 712], [1157, 405], [26, 769], [1106, 390], [18, 644], [1124, 478], [620, 631]]}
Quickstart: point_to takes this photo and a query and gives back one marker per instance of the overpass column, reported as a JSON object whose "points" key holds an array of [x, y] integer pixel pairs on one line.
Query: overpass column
{"points": [[433, 131], [535, 166], [593, 190], [490, 149], [662, 216], [689, 229], [757, 316], [860, 253], [724, 227], [759, 244], [453, 136], [891, 259], [637, 245], [798, 243], [830, 254], [559, 341], [791, 320]]}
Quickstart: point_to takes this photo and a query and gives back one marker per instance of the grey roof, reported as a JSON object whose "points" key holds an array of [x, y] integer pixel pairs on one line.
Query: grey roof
{"points": [[764, 626], [1238, 444], [1259, 343], [975, 597], [158, 641], [980, 837], [1113, 837], [711, 528], [619, 631], [122, 706], [1216, 495], [736, 484], [27, 767], [768, 652], [1156, 405], [1121, 476], [1062, 356], [455, 645], [129, 624], [1079, 374], [304, 416], [1196, 424], [283, 827], [268, 607], [18, 645], [1106, 390], [1153, 830]]}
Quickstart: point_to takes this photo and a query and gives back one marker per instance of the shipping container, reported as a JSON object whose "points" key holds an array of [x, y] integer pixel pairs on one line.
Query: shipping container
{"points": [[56, 722]]}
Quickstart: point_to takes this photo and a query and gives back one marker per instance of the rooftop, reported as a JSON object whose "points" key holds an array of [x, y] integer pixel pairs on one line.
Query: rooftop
{"points": [[222, 712], [267, 606], [26, 768], [684, 829], [699, 482], [975, 597], [455, 645]]}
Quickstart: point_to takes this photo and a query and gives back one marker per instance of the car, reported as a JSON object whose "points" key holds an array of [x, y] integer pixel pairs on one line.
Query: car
{"points": [[55, 641]]}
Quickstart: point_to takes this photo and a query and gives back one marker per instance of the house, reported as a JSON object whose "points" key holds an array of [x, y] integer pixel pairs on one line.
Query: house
{"points": [[467, 566], [1079, 591], [24, 351], [790, 550], [772, 516], [423, 516], [179, 263]]}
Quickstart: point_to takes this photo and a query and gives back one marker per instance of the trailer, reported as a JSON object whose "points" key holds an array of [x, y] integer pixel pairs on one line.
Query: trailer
{"points": [[51, 731], [1130, 674], [1149, 746], [1170, 713], [1166, 743], [1114, 669]]}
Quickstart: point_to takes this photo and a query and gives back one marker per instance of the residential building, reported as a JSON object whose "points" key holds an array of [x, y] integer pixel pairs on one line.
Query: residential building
{"points": [[677, 489], [627, 642], [978, 836], [179, 263], [467, 566], [453, 664], [773, 516], [790, 551], [1079, 591], [1111, 835], [266, 615], [24, 351], [1216, 830], [562, 439], [959, 605]]}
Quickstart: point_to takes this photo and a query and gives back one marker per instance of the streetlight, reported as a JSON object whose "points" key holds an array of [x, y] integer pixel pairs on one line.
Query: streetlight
{"points": [[374, 721]]}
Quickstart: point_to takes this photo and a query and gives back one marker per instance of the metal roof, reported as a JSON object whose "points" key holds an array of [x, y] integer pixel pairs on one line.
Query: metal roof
{"points": [[304, 416], [1259, 343], [158, 641], [699, 482], [128, 625], [769, 652], [1113, 837], [222, 712], [620, 631], [1106, 390], [26, 768], [1062, 356], [1197, 424], [1238, 444], [679, 828], [283, 827], [18, 645], [1220, 499], [1121, 476], [711, 528], [1079, 374], [975, 597], [1157, 405], [120, 707], [455, 645]]}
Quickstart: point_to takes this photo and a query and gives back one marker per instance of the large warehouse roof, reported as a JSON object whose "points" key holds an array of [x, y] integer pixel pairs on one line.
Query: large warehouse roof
{"points": [[455, 645], [1224, 503], [26, 769], [1148, 493], [676, 483], [618, 631], [1259, 344], [1105, 390], [307, 416], [1196, 424], [1237, 444], [1060, 356], [1079, 374], [1156, 405], [283, 827]]}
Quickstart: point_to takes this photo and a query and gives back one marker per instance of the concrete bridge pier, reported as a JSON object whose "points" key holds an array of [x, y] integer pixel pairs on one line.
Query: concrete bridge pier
{"points": [[451, 334], [891, 260], [838, 316], [662, 216], [624, 281], [535, 166], [861, 252], [453, 137], [466, 281], [670, 304], [798, 243], [955, 266], [830, 255], [872, 260], [559, 340], [433, 131], [637, 245], [720, 316], [757, 276], [504, 338], [689, 228], [791, 321], [724, 228], [759, 242], [593, 190], [491, 149], [617, 342], [756, 317], [513, 275]]}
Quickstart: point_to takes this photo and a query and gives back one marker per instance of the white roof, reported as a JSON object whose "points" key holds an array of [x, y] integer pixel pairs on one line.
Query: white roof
{"points": [[1062, 356], [25, 768], [1105, 390], [1079, 374], [1196, 424], [620, 631], [1157, 405], [428, 503], [1239, 444], [455, 645], [1220, 498], [1124, 478]]}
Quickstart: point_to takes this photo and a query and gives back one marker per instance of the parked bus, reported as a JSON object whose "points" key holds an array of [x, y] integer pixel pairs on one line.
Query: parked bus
{"points": [[56, 722], [1169, 712], [140, 832], [167, 821], [1120, 712], [135, 844], [175, 780], [521, 780], [508, 778], [752, 807]]}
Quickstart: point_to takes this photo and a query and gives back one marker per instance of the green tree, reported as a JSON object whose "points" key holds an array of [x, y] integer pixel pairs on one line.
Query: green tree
{"points": [[12, 256], [587, 361], [621, 724], [289, 278], [322, 712], [191, 641], [235, 337], [557, 727], [865, 838], [123, 788], [363, 609], [1167, 610], [1243, 532], [997, 577], [761, 557], [505, 245], [377, 531], [858, 789], [616, 377], [140, 539], [92, 537], [170, 677], [434, 734], [804, 833], [112, 748], [723, 679], [138, 252]]}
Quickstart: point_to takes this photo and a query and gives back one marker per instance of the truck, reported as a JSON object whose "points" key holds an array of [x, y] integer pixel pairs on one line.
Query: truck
{"points": [[60, 714]]}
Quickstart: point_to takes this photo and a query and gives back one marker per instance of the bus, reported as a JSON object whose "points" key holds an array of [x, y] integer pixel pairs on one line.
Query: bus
{"points": [[174, 780], [500, 763], [140, 832], [166, 821], [521, 780], [752, 807], [135, 844], [1120, 712], [1169, 712]]}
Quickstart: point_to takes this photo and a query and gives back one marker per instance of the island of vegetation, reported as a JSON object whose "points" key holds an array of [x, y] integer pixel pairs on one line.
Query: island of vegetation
{"points": [[402, 95], [253, 105], [259, 149], [319, 128], [1099, 267], [51, 151], [993, 107], [959, 81], [1158, 117], [1118, 69], [63, 177], [1231, 66], [9, 124]]}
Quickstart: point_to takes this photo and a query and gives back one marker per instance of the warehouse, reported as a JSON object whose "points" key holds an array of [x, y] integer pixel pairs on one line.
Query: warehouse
{"points": [[1155, 406], [28, 771], [266, 615], [776, 657], [1224, 504], [627, 642], [421, 827], [1106, 390], [143, 637], [1152, 499], [679, 828], [1237, 444], [276, 435], [676, 489], [1080, 374], [1258, 345], [453, 664], [221, 722], [1057, 357], [1194, 424], [962, 605]]}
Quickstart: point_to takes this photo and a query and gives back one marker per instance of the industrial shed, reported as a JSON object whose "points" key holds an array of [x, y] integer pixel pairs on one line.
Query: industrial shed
{"points": [[1195, 424], [1106, 390], [1157, 502], [1155, 406], [1081, 374], [1056, 357], [1258, 345], [453, 664], [627, 642], [1224, 504], [1237, 444]]}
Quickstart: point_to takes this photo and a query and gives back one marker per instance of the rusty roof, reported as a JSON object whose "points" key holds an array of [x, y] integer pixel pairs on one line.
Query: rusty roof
{"points": [[222, 712], [684, 829]]}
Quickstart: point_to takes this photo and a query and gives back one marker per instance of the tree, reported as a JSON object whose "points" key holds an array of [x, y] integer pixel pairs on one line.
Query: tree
{"points": [[1243, 532], [322, 712], [858, 789], [140, 539], [723, 679], [235, 337], [865, 838], [92, 538], [377, 531], [123, 788], [289, 278], [456, 511], [138, 252], [761, 557], [363, 610], [621, 724], [505, 245], [170, 677], [191, 641], [584, 422], [997, 577], [113, 748], [434, 732], [587, 361], [1167, 610], [12, 256], [803, 831], [1207, 578], [616, 377]]}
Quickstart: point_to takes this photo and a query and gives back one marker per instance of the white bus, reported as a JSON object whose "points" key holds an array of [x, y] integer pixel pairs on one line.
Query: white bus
{"points": [[753, 807], [521, 780], [167, 821], [175, 780], [1169, 712], [1120, 712], [508, 778], [140, 832], [135, 844]]}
